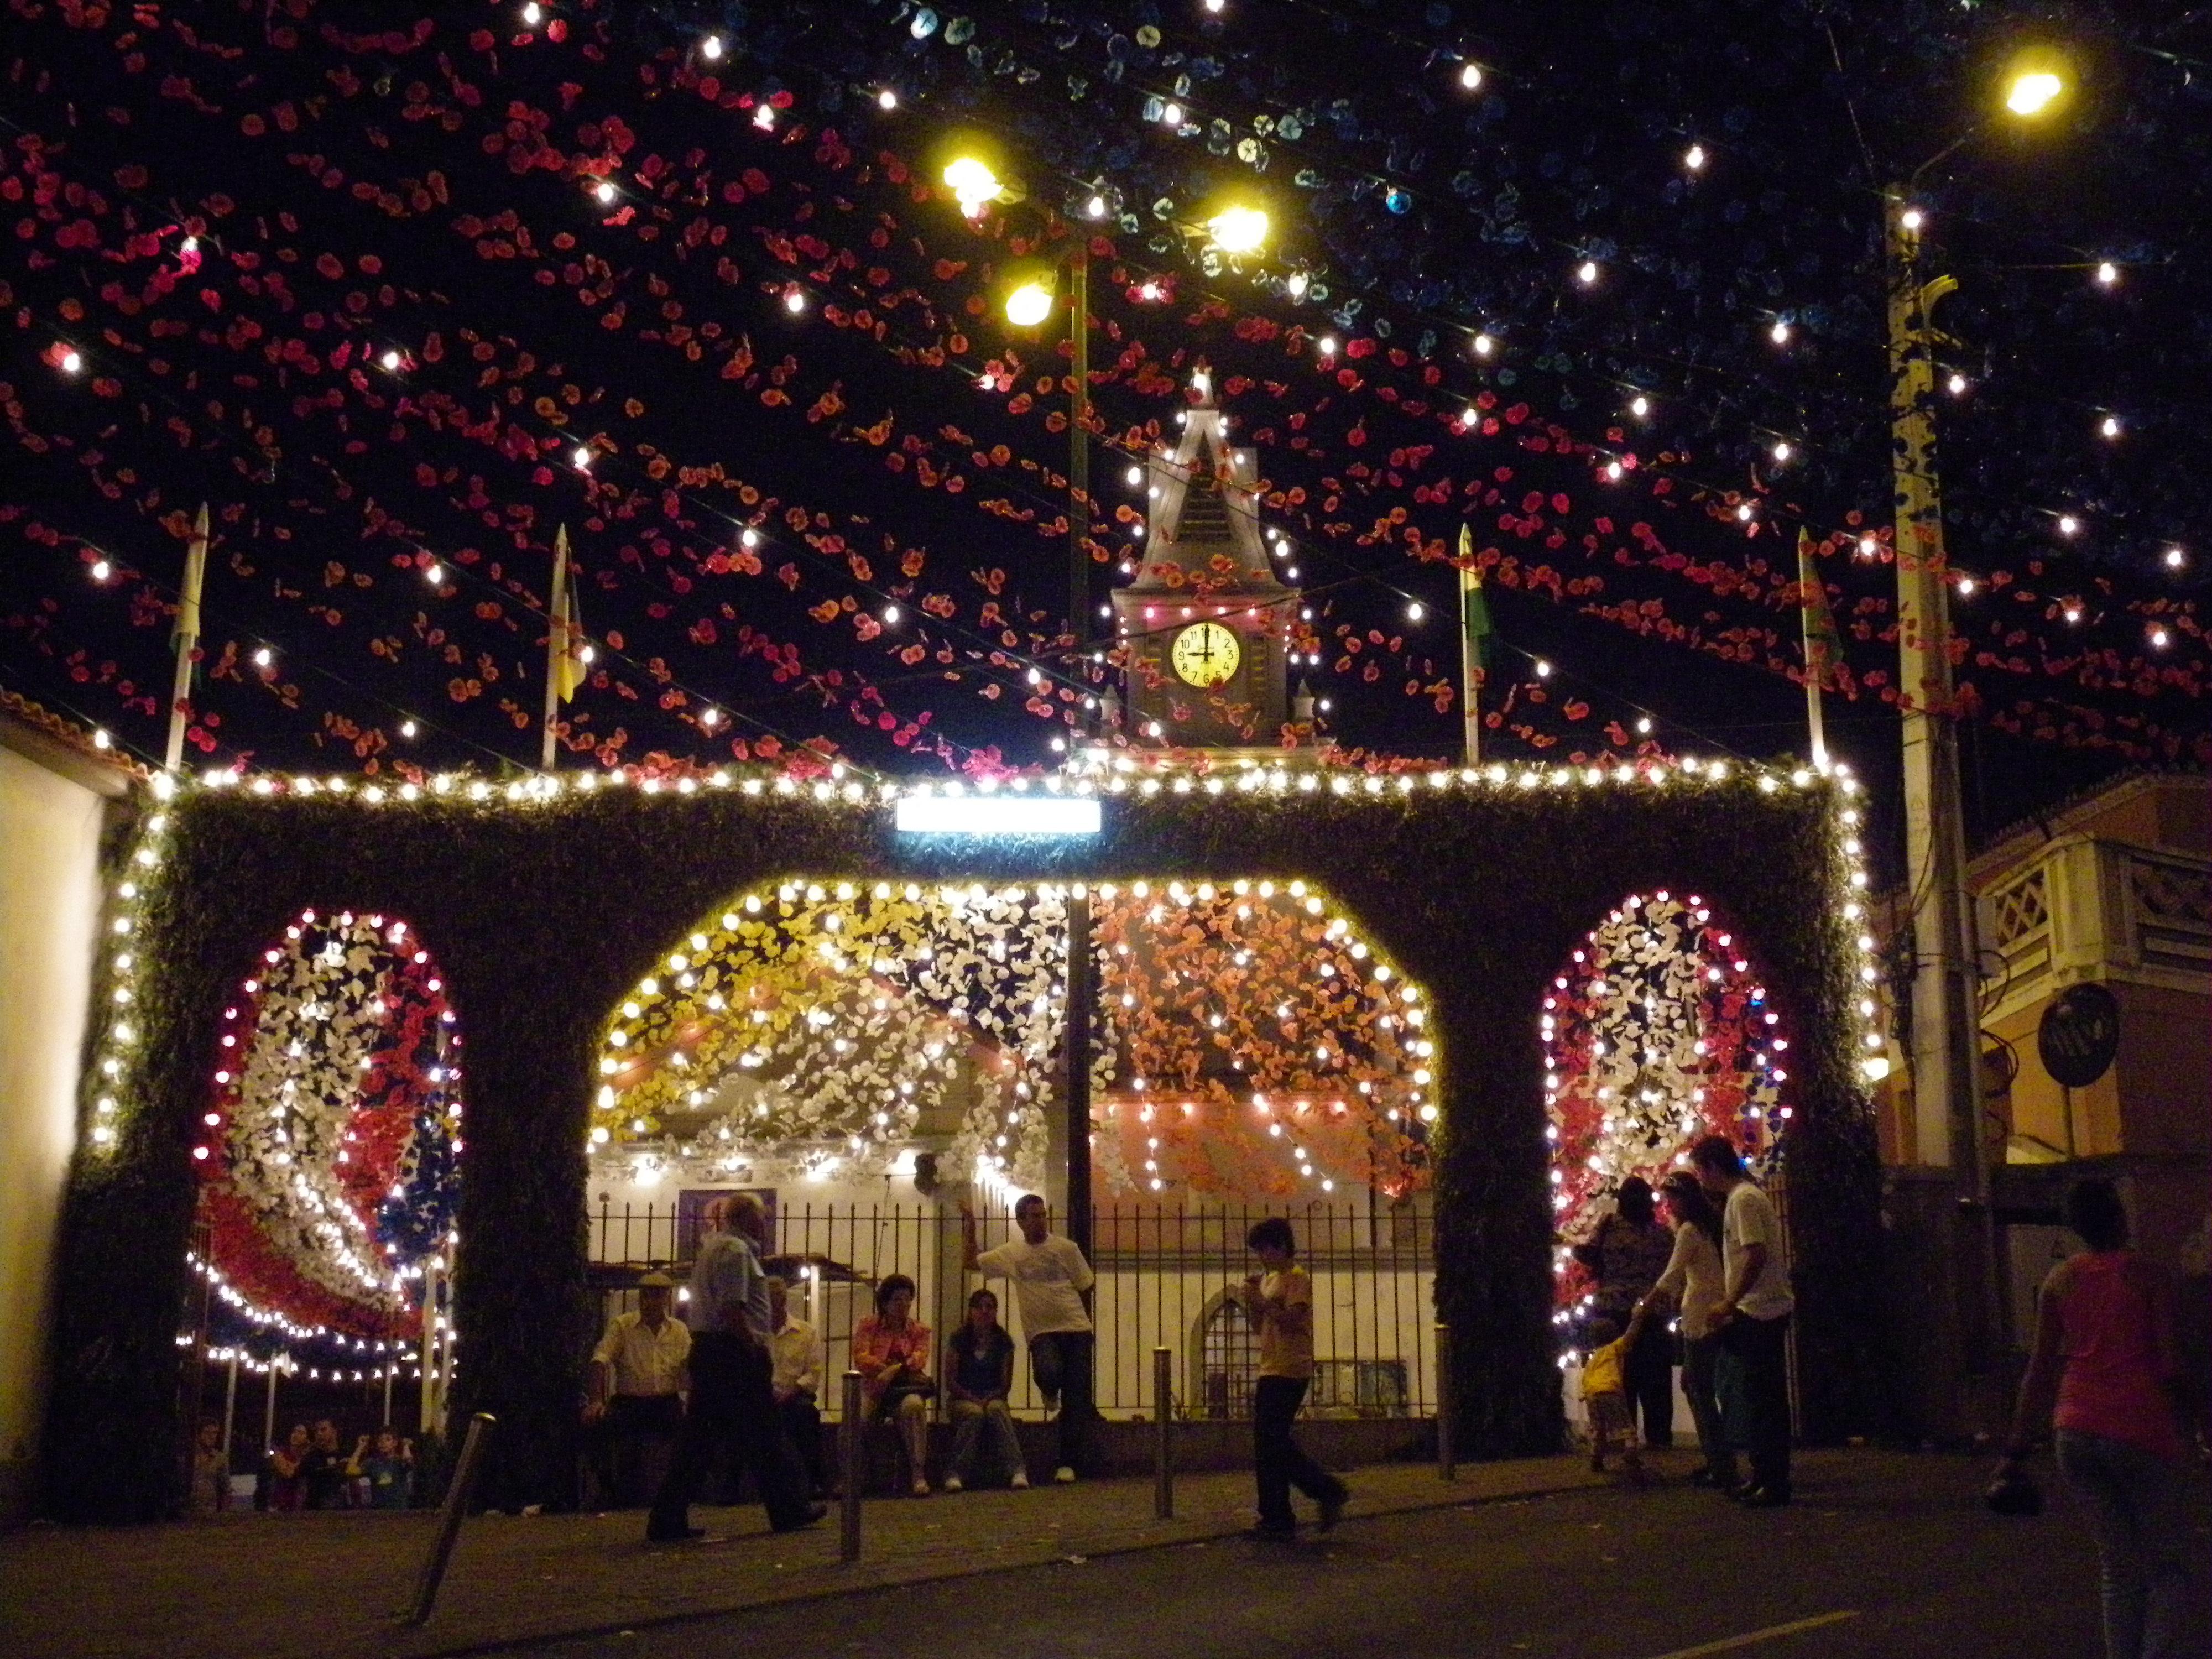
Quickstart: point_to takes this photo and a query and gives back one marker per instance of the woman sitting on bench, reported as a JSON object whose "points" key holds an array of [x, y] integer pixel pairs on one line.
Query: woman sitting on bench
{"points": [[890, 1350]]}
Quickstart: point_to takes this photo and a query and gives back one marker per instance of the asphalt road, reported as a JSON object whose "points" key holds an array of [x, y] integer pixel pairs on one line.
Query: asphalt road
{"points": [[1899, 1563]]}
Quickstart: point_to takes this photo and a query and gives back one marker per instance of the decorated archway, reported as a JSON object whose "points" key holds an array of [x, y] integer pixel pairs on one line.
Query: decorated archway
{"points": [[1657, 1030], [1247, 1041], [328, 1153]]}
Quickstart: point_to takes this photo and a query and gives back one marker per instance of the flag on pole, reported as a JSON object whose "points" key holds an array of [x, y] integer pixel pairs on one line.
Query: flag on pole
{"points": [[1824, 647], [565, 644], [1473, 609]]}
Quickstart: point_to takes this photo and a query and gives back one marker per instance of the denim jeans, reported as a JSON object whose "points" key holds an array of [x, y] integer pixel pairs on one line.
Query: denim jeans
{"points": [[2143, 1542], [1061, 1362], [1279, 1461], [972, 1422], [1698, 1359], [1756, 1350]]}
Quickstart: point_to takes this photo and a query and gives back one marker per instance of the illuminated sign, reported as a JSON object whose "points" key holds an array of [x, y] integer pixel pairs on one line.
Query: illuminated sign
{"points": [[997, 815]]}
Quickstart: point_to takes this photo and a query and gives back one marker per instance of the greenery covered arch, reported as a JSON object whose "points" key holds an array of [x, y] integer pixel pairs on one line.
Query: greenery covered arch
{"points": [[546, 904]]}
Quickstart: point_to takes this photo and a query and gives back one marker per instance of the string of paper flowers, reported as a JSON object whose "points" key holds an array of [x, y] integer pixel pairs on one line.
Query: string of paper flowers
{"points": [[1657, 1032], [329, 1162]]}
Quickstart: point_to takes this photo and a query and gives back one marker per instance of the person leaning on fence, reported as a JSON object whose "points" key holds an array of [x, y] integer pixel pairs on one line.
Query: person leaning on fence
{"points": [[796, 1381], [1752, 1319], [731, 1398], [979, 1375], [635, 1384], [891, 1351], [1049, 1277], [1279, 1301]]}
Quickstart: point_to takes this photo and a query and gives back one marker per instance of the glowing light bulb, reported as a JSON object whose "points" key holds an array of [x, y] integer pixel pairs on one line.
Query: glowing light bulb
{"points": [[1171, 115], [2158, 639], [2108, 274], [407, 728], [1415, 611], [1586, 273], [887, 100], [1643, 725], [1868, 546], [1694, 157], [1965, 587], [264, 657], [2032, 93], [1029, 305], [1095, 208], [711, 48], [2110, 426], [101, 570], [1295, 285], [794, 300], [1782, 452], [1639, 407], [1238, 229], [533, 13], [2068, 524], [1327, 345], [1135, 475], [390, 359], [710, 718], [606, 191], [1470, 76], [891, 616], [1911, 218], [1543, 669], [1779, 333], [434, 573], [1613, 472], [2072, 613], [2176, 559], [1483, 346], [1148, 290], [749, 537], [764, 117], [71, 362], [1745, 511], [587, 654], [581, 456], [973, 185], [189, 245], [1956, 385]]}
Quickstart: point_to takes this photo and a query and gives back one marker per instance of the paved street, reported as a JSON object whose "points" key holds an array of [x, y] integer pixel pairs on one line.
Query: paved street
{"points": [[1885, 1555]]}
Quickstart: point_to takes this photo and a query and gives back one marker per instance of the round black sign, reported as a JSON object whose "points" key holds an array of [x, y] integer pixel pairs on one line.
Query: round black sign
{"points": [[2078, 1036]]}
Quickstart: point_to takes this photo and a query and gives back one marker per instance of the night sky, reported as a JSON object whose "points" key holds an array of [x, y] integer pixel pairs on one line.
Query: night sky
{"points": [[777, 322]]}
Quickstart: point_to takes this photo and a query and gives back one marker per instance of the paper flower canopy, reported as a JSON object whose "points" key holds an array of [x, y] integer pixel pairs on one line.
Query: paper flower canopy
{"points": [[329, 1163], [1657, 1031]]}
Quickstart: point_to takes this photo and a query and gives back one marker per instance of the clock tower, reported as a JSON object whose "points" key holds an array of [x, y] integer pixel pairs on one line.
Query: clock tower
{"points": [[1205, 626]]}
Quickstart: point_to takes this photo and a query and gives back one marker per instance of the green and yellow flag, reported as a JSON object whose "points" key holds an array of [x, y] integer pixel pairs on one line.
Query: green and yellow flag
{"points": [[565, 645]]}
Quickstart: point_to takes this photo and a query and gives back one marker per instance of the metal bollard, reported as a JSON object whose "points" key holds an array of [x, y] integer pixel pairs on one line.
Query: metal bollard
{"points": [[459, 1491], [1163, 1434], [1447, 1453], [851, 1443]]}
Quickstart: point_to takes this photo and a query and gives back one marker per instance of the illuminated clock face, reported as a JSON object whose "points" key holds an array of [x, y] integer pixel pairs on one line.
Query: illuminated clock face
{"points": [[1206, 654]]}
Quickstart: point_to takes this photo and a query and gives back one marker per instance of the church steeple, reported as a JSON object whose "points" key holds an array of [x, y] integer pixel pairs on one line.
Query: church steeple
{"points": [[1204, 626]]}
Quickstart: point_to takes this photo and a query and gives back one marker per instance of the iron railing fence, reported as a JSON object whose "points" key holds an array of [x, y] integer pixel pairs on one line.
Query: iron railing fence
{"points": [[1166, 1278]]}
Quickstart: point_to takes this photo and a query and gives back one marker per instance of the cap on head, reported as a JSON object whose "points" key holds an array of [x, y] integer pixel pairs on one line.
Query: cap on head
{"points": [[656, 1282]]}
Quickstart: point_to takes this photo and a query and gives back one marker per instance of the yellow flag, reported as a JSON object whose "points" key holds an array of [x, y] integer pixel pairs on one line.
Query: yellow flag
{"points": [[564, 645]]}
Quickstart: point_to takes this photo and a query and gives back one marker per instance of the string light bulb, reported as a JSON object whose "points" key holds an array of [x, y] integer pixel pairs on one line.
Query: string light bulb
{"points": [[2110, 426], [1913, 218], [1543, 669], [1965, 587], [1780, 333], [1640, 406], [264, 658], [1483, 346], [2108, 274], [101, 570], [581, 456], [533, 13], [1171, 115], [71, 362], [887, 100], [1095, 208], [1782, 451], [1586, 273], [2159, 639], [891, 616], [407, 728], [1694, 158], [434, 573], [2068, 524], [795, 300], [1295, 284], [1643, 725], [391, 360], [1415, 610], [1956, 385], [711, 48], [2176, 559], [1470, 77]]}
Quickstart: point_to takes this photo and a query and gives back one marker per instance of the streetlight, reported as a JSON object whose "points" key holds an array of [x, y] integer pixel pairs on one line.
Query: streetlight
{"points": [[1238, 229], [1945, 1021]]}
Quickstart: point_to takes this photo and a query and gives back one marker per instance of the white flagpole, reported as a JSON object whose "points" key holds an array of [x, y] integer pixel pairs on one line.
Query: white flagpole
{"points": [[556, 647], [1813, 679], [188, 638], [1471, 678]]}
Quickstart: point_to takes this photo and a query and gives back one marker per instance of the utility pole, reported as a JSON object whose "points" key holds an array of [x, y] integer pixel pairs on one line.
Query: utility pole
{"points": [[1075, 1040], [187, 639], [1946, 1021], [1079, 446]]}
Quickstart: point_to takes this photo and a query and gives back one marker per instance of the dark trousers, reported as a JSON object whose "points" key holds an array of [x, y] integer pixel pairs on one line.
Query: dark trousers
{"points": [[630, 1446], [1278, 1460], [802, 1426], [1060, 1362], [1650, 1377], [733, 1405], [1756, 1348]]}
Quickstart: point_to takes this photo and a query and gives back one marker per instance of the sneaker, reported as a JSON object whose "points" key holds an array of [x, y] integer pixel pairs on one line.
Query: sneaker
{"points": [[1064, 1475], [1021, 1480], [953, 1483], [1763, 1497], [806, 1518], [920, 1487]]}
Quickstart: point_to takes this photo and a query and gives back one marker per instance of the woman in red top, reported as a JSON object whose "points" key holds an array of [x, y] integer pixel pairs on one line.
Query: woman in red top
{"points": [[2104, 1345], [890, 1350]]}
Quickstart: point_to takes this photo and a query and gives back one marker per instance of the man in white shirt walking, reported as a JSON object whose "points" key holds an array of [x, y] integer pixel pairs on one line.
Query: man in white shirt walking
{"points": [[1753, 1318], [1049, 1277], [635, 1386]]}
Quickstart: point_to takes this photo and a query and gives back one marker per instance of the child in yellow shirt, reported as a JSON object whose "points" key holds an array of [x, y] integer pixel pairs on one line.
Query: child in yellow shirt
{"points": [[1605, 1395]]}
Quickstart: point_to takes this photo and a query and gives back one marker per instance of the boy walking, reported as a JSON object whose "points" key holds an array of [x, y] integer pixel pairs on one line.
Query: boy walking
{"points": [[1050, 1277], [1605, 1395], [1279, 1301]]}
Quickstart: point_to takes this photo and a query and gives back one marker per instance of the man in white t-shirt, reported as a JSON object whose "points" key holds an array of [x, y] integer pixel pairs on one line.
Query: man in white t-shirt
{"points": [[1753, 1318], [1050, 1276]]}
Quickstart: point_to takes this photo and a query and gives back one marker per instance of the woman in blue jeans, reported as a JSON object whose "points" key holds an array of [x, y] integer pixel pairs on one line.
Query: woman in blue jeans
{"points": [[2104, 1346]]}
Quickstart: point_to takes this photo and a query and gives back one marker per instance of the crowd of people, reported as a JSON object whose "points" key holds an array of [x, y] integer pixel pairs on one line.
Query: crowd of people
{"points": [[308, 1469]]}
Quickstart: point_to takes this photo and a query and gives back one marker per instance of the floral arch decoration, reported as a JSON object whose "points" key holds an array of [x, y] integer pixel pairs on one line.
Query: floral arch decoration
{"points": [[1245, 1041], [1656, 1031], [328, 1163]]}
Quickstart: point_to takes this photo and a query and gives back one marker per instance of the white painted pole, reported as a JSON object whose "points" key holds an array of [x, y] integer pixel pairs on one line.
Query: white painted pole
{"points": [[269, 1408], [188, 638], [557, 648], [229, 1410], [427, 1418]]}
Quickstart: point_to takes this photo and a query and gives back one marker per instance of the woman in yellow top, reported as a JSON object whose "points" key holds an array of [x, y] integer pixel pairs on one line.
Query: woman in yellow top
{"points": [[1279, 1301]]}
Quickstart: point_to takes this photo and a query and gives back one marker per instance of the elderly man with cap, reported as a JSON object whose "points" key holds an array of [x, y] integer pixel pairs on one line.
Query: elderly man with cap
{"points": [[635, 1385]]}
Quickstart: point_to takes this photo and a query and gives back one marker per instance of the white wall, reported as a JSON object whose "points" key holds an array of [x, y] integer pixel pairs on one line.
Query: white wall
{"points": [[49, 915]]}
